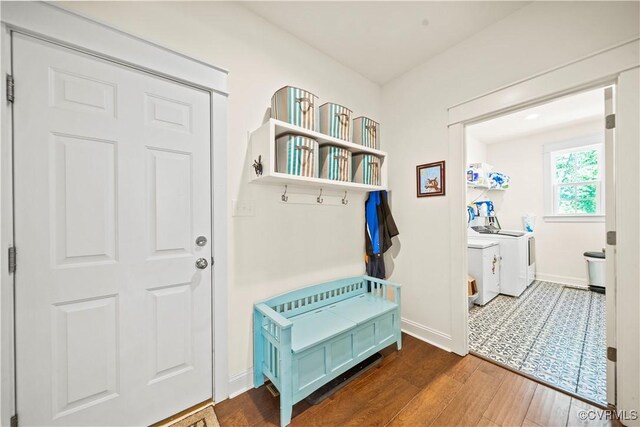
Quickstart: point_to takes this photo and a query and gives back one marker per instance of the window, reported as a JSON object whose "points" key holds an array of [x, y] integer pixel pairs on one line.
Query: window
{"points": [[575, 180]]}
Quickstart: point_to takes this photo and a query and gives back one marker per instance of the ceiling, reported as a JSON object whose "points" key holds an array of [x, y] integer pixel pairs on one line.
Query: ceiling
{"points": [[580, 108], [383, 39]]}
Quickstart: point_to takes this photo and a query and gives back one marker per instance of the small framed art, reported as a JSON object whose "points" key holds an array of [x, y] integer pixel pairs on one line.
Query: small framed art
{"points": [[430, 179]]}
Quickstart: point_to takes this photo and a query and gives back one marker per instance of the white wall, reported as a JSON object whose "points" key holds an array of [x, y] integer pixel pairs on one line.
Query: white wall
{"points": [[476, 150], [559, 245], [283, 246], [536, 38], [476, 153]]}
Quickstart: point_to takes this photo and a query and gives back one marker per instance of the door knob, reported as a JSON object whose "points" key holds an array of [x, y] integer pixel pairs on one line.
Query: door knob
{"points": [[201, 263], [201, 240]]}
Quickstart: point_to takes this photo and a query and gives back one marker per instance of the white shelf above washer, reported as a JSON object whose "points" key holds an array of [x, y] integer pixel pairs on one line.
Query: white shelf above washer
{"points": [[484, 187]]}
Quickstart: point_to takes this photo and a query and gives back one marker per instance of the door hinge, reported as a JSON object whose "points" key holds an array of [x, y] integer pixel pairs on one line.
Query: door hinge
{"points": [[611, 238], [610, 121], [12, 259], [612, 354], [14, 421], [11, 87]]}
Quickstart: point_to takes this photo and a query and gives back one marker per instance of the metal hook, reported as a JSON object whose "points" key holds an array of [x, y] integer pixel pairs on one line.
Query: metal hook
{"points": [[284, 196], [257, 165], [320, 199], [344, 199]]}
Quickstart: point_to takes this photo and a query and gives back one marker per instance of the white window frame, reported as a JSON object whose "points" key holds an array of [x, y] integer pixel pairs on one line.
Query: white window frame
{"points": [[551, 187]]}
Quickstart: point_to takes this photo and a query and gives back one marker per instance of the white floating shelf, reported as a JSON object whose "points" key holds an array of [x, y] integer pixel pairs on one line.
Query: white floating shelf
{"points": [[263, 144], [484, 187], [282, 128], [478, 186], [284, 178]]}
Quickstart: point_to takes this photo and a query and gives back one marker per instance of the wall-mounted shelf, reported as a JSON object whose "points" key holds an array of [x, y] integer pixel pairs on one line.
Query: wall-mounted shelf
{"points": [[263, 144], [484, 187], [478, 186]]}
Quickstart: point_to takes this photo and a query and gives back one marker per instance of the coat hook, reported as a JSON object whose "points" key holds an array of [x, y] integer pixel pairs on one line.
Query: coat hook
{"points": [[284, 196], [320, 199], [344, 199], [257, 166]]}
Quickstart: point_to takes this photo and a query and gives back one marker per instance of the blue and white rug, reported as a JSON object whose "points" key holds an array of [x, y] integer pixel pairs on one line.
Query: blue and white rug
{"points": [[552, 332]]}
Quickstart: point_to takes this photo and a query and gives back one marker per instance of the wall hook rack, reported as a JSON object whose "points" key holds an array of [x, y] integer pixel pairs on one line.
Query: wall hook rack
{"points": [[344, 199], [284, 196], [320, 199]]}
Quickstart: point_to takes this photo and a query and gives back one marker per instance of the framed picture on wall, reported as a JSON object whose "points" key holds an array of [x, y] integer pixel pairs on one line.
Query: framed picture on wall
{"points": [[430, 179]]}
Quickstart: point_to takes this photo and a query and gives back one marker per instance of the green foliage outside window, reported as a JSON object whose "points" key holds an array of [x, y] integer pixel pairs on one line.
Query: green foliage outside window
{"points": [[574, 170]]}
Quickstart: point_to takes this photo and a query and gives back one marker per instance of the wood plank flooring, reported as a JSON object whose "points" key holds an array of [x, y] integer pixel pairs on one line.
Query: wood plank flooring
{"points": [[421, 385]]}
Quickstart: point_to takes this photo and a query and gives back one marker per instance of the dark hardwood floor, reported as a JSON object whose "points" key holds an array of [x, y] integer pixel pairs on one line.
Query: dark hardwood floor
{"points": [[421, 385]]}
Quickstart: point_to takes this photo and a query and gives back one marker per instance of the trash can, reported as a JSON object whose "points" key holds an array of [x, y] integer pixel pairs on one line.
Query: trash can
{"points": [[596, 271]]}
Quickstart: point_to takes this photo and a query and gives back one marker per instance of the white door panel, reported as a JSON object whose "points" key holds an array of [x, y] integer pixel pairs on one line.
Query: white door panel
{"points": [[112, 167]]}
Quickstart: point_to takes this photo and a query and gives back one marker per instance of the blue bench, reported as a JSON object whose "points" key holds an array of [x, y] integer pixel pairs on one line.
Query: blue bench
{"points": [[305, 338]]}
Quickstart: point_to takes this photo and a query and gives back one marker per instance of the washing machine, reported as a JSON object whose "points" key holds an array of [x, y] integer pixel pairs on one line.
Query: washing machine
{"points": [[517, 249]]}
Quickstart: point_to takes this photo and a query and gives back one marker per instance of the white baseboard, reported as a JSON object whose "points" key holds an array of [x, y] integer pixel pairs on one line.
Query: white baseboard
{"points": [[427, 334], [565, 280], [240, 383]]}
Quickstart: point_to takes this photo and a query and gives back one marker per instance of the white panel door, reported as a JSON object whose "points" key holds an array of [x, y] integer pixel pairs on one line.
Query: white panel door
{"points": [[112, 173]]}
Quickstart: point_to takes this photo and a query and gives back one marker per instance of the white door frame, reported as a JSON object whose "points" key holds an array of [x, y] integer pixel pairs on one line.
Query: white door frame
{"points": [[620, 65], [52, 23]]}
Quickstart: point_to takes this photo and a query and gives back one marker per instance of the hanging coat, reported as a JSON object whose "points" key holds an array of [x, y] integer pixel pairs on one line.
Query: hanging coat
{"points": [[379, 229]]}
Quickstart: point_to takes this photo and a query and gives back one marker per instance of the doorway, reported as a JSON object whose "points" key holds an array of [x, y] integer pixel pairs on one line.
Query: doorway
{"points": [[536, 237], [619, 65], [111, 191], [172, 76]]}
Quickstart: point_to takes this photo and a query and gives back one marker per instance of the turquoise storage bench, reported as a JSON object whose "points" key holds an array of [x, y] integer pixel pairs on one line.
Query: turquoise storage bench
{"points": [[305, 338]]}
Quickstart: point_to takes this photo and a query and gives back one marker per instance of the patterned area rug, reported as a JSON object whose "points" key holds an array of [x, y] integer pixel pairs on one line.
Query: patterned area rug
{"points": [[552, 332]]}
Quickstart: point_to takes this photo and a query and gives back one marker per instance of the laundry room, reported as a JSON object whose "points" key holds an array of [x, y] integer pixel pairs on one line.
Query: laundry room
{"points": [[536, 239]]}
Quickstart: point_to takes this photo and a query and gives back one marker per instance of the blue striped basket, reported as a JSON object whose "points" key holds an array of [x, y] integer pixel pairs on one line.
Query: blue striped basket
{"points": [[296, 106], [335, 163], [297, 155], [366, 132], [366, 169], [335, 121]]}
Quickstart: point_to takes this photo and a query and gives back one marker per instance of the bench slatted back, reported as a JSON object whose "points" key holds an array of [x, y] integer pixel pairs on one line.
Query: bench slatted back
{"points": [[314, 297]]}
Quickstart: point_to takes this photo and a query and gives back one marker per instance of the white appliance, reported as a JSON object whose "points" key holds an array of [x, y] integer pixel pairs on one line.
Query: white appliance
{"points": [[484, 266], [517, 249], [596, 270]]}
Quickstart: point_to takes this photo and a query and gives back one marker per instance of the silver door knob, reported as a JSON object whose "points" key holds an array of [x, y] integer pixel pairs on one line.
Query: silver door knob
{"points": [[201, 263], [201, 240]]}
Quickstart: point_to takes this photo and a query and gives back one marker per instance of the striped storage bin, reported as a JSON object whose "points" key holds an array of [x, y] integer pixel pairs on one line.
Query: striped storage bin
{"points": [[297, 155], [335, 163], [365, 132], [295, 106], [335, 121], [366, 169]]}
